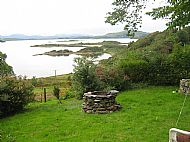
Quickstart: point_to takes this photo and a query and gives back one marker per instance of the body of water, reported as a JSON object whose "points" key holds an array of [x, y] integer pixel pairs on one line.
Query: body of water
{"points": [[20, 56]]}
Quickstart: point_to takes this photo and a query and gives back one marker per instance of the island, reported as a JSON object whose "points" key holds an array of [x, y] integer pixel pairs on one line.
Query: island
{"points": [[88, 52], [90, 49], [2, 40], [65, 52]]}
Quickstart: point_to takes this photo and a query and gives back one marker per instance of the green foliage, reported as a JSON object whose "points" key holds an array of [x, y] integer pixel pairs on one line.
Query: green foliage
{"points": [[177, 12], [84, 77], [70, 93], [126, 11], [183, 37], [34, 81], [91, 49], [158, 68], [179, 63], [130, 13], [5, 69], [112, 77], [158, 59], [146, 41], [56, 92], [15, 93], [92, 52]]}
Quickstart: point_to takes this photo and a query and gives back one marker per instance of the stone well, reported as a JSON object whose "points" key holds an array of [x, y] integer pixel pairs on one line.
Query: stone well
{"points": [[185, 86], [100, 102]]}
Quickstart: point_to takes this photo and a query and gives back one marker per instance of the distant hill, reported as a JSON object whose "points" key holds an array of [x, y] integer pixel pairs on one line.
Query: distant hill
{"points": [[38, 37], [123, 34]]}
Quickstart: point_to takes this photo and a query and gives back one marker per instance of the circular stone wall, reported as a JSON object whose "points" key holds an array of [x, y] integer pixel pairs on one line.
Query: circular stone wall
{"points": [[184, 86], [100, 102]]}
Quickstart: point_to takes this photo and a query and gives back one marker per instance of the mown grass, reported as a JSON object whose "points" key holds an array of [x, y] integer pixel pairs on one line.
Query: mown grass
{"points": [[146, 116]]}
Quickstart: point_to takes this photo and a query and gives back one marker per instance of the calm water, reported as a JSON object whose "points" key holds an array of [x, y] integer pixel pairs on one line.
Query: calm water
{"points": [[20, 56]]}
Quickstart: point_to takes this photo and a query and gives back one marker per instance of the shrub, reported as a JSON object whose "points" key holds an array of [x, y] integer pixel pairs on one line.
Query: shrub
{"points": [[15, 93], [70, 93], [112, 77], [56, 92], [5, 69], [183, 37]]}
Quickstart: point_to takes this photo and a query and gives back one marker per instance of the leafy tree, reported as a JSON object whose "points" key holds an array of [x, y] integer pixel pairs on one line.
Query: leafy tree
{"points": [[130, 13], [84, 77], [34, 81], [178, 13], [5, 69]]}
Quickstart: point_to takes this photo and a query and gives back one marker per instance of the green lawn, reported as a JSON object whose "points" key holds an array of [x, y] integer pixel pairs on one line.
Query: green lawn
{"points": [[146, 116]]}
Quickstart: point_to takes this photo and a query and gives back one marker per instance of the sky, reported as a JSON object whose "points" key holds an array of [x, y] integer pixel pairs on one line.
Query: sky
{"points": [[51, 17]]}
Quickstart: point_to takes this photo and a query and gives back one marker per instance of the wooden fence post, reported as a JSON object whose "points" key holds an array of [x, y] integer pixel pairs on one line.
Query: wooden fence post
{"points": [[41, 98], [44, 94]]}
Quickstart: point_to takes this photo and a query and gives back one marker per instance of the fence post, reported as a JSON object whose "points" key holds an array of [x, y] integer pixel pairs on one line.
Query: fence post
{"points": [[41, 97], [44, 94]]}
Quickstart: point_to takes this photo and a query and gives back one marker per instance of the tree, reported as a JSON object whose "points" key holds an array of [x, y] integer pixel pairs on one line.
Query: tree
{"points": [[130, 13], [84, 77], [5, 69]]}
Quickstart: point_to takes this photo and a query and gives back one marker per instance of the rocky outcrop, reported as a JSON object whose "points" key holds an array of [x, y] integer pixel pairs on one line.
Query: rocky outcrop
{"points": [[100, 102]]}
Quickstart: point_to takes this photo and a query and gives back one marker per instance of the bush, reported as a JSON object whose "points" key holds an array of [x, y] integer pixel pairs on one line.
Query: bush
{"points": [[15, 93], [183, 37], [56, 92], [70, 93], [5, 69], [112, 78]]}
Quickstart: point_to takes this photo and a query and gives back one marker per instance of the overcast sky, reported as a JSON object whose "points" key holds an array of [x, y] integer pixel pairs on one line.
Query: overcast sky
{"points": [[50, 17]]}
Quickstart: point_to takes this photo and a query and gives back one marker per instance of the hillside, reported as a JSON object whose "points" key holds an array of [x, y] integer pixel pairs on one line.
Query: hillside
{"points": [[160, 58], [124, 34]]}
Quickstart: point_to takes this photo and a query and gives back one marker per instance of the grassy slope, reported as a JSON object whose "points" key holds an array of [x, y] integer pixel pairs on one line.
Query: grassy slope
{"points": [[146, 116]]}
